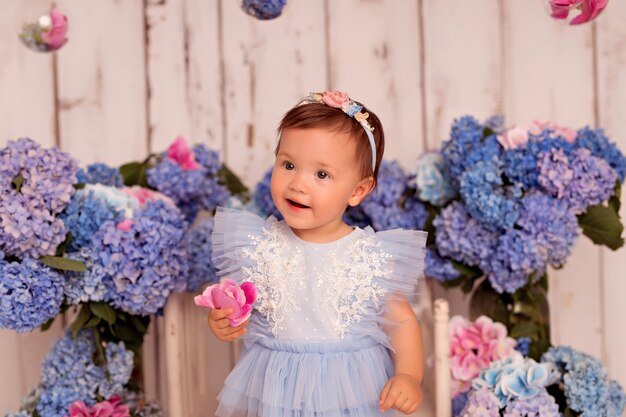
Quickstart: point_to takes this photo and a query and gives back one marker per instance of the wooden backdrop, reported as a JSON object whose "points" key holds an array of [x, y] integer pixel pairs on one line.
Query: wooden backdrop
{"points": [[135, 74]]}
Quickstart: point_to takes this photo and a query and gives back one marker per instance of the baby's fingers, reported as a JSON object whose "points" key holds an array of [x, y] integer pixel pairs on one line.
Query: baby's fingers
{"points": [[220, 313], [391, 399]]}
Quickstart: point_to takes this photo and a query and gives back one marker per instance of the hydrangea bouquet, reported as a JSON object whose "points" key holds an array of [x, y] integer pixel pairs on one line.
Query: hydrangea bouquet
{"points": [[508, 204], [492, 376]]}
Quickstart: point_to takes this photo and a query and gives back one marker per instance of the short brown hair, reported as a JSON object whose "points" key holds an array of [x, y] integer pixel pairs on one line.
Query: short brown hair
{"points": [[317, 115]]}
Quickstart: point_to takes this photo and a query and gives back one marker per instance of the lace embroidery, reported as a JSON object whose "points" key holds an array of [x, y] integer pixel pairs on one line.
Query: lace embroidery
{"points": [[278, 274], [350, 283]]}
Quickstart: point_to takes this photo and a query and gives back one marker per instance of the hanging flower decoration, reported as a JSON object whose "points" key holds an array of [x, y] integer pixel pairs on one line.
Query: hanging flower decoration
{"points": [[576, 12], [264, 9], [48, 34]]}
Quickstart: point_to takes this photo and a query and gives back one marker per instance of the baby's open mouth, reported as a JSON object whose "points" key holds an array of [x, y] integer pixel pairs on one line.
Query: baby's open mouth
{"points": [[296, 204]]}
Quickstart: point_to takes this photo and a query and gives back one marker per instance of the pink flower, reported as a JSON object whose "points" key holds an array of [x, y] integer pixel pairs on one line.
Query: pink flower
{"points": [[337, 99], [125, 225], [589, 9], [473, 346], [110, 408], [513, 138], [143, 195], [182, 154], [536, 127], [227, 294], [55, 36]]}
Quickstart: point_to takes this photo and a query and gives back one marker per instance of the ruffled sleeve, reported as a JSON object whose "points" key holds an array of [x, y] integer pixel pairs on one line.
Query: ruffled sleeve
{"points": [[233, 231], [406, 251]]}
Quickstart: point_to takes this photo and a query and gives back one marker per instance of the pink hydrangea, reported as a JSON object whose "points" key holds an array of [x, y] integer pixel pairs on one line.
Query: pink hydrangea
{"points": [[182, 154], [227, 294], [110, 408], [143, 195], [473, 346], [518, 135], [55, 36]]}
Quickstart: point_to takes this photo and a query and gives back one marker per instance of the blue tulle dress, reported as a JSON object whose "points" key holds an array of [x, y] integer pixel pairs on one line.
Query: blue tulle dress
{"points": [[316, 344]]}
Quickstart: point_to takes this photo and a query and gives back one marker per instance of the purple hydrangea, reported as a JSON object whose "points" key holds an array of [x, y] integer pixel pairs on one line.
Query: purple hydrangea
{"points": [[100, 173], [264, 9], [30, 294], [481, 403], [486, 197], [458, 403], [552, 223], [201, 269], [69, 373], [602, 147], [142, 265], [191, 189], [262, 197], [541, 405], [82, 287], [439, 268], [389, 206], [462, 238]]}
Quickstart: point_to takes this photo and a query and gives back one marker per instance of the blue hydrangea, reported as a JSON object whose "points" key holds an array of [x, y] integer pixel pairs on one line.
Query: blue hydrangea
{"points": [[602, 147], [191, 190], [521, 165], [487, 199], [142, 266], [462, 238], [587, 387], [356, 217], [523, 344], [552, 223], [481, 403], [100, 173], [201, 269], [85, 214], [70, 374], [81, 287], [388, 206], [458, 403], [541, 405], [439, 268], [592, 183], [431, 181], [514, 377], [30, 294], [262, 197], [517, 256], [118, 367], [465, 135], [264, 9]]}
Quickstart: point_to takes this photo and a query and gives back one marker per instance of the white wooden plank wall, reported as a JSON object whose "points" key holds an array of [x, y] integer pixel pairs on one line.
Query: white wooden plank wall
{"points": [[204, 69]]}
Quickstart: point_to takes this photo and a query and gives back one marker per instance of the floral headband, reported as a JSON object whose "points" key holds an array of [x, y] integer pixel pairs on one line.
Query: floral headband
{"points": [[340, 100]]}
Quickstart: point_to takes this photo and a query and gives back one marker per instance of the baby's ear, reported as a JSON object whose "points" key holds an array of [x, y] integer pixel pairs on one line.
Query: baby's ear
{"points": [[362, 189]]}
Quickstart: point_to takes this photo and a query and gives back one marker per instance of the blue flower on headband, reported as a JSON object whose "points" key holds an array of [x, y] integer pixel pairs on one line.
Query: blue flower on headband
{"points": [[353, 109]]}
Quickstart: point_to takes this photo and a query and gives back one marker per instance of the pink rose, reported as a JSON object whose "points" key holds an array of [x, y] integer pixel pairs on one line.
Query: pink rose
{"points": [[536, 127], [227, 294], [79, 409], [182, 154], [110, 408], [513, 138], [473, 346], [55, 36], [337, 99], [589, 9], [143, 195]]}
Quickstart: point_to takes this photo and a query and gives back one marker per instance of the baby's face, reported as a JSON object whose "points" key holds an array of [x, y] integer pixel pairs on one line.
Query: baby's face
{"points": [[315, 178]]}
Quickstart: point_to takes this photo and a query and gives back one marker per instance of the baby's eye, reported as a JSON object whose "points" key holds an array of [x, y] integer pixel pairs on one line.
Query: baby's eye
{"points": [[289, 166], [322, 175]]}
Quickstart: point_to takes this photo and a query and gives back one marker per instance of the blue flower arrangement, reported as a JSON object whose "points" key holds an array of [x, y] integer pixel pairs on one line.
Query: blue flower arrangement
{"points": [[507, 204]]}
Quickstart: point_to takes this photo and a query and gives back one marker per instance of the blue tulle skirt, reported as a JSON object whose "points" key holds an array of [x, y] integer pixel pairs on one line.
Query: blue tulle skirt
{"points": [[276, 378]]}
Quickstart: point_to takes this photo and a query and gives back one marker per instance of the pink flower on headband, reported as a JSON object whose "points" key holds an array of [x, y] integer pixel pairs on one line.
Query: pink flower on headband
{"points": [[336, 99], [182, 154], [227, 294]]}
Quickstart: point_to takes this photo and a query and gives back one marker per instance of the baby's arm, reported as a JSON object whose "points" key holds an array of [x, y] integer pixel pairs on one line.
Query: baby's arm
{"points": [[221, 328], [403, 391]]}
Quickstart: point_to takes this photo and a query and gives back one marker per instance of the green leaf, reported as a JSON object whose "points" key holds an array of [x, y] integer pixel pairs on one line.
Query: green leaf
{"points": [[524, 329], [231, 181], [63, 264], [467, 271], [18, 182], [538, 348], [134, 173], [488, 302], [104, 311], [615, 200], [83, 317], [603, 226], [569, 413], [138, 324], [93, 322], [47, 324], [128, 334], [61, 248]]}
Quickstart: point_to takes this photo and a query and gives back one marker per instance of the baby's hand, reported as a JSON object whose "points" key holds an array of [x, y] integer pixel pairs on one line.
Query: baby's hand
{"points": [[402, 392], [221, 328]]}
